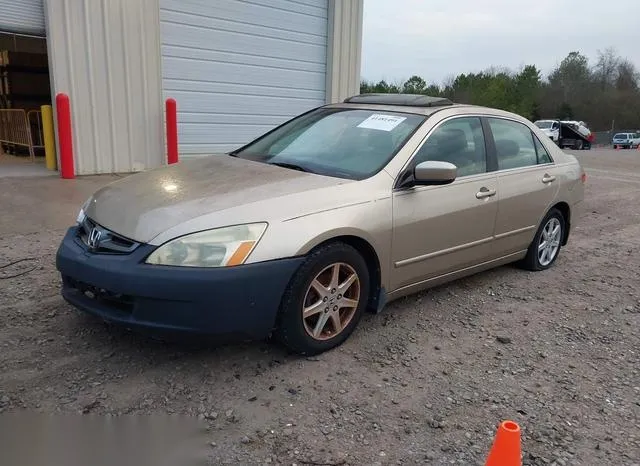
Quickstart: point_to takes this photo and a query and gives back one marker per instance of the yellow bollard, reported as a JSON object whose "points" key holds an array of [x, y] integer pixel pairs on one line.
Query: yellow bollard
{"points": [[49, 138]]}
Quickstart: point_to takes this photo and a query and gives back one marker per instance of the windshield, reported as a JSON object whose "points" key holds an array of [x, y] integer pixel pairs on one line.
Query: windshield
{"points": [[621, 136], [543, 124], [345, 143]]}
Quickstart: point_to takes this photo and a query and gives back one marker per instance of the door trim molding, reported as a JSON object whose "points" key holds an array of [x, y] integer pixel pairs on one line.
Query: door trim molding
{"points": [[515, 232], [462, 247], [442, 252]]}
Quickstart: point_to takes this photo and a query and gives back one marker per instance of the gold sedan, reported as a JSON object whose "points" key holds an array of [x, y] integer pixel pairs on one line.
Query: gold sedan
{"points": [[334, 213]]}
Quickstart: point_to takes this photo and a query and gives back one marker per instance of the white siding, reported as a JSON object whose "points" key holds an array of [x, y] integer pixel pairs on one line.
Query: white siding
{"points": [[237, 68], [22, 16], [106, 56]]}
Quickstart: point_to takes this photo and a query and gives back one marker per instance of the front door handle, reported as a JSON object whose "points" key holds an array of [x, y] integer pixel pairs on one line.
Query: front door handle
{"points": [[485, 192], [548, 178]]}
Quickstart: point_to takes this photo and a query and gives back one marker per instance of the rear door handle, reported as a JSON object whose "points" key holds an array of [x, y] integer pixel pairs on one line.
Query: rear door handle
{"points": [[548, 178], [485, 192]]}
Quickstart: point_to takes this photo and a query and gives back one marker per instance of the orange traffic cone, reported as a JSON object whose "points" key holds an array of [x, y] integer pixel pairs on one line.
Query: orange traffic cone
{"points": [[506, 449]]}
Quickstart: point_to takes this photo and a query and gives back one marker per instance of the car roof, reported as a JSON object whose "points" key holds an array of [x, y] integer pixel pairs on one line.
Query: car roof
{"points": [[404, 103], [413, 103], [405, 100]]}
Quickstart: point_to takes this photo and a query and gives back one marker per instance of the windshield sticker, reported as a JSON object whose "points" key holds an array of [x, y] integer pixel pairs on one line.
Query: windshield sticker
{"points": [[381, 122]]}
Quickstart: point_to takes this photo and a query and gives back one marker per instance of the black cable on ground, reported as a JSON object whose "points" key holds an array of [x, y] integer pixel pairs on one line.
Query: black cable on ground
{"points": [[26, 259]]}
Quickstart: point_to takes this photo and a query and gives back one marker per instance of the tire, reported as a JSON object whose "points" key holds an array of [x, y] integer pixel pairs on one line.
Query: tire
{"points": [[296, 332], [534, 259]]}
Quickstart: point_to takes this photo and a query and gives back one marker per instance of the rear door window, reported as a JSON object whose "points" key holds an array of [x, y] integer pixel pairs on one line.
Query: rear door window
{"points": [[514, 144]]}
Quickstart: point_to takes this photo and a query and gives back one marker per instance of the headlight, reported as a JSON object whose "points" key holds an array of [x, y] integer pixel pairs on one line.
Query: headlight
{"points": [[222, 247]]}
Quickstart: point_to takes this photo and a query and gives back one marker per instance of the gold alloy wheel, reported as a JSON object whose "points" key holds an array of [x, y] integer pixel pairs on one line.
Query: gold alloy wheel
{"points": [[331, 301]]}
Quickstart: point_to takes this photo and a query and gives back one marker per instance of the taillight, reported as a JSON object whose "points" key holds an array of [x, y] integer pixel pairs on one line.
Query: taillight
{"points": [[584, 177]]}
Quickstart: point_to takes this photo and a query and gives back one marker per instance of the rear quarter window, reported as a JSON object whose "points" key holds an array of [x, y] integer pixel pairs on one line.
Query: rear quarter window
{"points": [[543, 154]]}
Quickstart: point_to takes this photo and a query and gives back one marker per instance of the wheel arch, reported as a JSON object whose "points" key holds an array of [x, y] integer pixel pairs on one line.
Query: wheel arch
{"points": [[565, 210], [369, 254]]}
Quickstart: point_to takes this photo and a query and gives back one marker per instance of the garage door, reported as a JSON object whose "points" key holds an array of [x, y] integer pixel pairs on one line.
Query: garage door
{"points": [[22, 16], [237, 68]]}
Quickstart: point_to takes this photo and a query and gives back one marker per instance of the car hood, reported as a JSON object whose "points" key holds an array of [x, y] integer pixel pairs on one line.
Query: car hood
{"points": [[143, 205]]}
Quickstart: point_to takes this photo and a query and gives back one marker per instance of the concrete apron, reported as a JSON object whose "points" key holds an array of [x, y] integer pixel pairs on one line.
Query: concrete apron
{"points": [[35, 203], [12, 166]]}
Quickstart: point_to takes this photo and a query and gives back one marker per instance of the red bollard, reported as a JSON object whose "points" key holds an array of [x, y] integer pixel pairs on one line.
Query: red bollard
{"points": [[172, 131], [65, 136]]}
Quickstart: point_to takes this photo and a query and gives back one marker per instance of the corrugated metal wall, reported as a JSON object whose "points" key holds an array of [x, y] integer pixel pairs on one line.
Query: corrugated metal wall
{"points": [[237, 68], [106, 56], [344, 49], [22, 16]]}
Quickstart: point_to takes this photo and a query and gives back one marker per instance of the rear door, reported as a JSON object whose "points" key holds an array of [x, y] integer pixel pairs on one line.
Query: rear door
{"points": [[441, 229], [528, 182]]}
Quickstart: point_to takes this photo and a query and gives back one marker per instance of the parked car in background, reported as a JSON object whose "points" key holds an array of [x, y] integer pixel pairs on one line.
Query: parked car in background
{"points": [[626, 140], [334, 213]]}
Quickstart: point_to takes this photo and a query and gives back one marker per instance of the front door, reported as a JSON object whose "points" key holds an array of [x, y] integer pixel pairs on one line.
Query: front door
{"points": [[441, 229]]}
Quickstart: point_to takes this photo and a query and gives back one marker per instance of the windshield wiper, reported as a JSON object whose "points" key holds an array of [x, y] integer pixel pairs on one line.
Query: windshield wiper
{"points": [[292, 166]]}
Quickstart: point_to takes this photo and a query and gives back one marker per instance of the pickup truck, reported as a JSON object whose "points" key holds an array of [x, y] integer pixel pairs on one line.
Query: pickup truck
{"points": [[626, 140]]}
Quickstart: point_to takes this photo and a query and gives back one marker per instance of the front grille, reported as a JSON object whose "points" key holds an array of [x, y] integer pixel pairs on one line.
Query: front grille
{"points": [[116, 301], [104, 241]]}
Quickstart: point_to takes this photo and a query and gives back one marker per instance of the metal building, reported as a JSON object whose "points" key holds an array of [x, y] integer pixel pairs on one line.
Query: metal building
{"points": [[236, 68]]}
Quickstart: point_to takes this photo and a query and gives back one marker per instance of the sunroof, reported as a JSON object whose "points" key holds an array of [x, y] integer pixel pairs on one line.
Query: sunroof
{"points": [[412, 100]]}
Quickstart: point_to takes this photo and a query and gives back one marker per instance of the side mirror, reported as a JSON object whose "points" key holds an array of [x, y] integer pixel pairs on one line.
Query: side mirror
{"points": [[434, 173]]}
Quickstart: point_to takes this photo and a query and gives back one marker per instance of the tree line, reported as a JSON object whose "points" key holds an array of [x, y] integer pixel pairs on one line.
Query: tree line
{"points": [[605, 94]]}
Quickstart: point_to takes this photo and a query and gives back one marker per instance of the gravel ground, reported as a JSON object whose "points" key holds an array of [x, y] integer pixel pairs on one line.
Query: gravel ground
{"points": [[426, 381]]}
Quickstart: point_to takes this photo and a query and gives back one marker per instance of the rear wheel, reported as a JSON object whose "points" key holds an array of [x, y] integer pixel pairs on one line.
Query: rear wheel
{"points": [[546, 245], [324, 301]]}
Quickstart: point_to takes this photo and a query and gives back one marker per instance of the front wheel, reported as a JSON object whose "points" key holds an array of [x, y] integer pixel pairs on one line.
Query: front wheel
{"points": [[324, 301], [546, 244]]}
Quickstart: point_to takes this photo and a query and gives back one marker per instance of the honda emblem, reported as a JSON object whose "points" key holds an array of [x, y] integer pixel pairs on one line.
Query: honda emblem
{"points": [[94, 238]]}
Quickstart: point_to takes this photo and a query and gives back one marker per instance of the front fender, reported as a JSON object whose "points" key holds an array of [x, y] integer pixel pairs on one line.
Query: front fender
{"points": [[370, 221]]}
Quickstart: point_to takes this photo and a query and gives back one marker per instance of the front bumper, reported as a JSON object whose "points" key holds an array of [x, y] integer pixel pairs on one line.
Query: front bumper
{"points": [[238, 302]]}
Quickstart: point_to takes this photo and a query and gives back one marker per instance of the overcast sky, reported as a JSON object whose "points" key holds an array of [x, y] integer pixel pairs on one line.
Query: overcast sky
{"points": [[439, 38]]}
